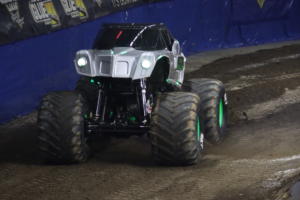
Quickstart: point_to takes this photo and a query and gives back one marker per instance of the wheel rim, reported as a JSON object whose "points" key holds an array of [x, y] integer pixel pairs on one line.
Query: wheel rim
{"points": [[221, 113], [200, 136], [198, 128]]}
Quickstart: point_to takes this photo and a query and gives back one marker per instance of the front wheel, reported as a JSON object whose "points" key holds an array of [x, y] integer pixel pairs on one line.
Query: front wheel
{"points": [[214, 103], [62, 136], [175, 130]]}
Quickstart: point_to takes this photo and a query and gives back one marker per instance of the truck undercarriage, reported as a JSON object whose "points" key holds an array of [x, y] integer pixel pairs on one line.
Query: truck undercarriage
{"points": [[122, 106]]}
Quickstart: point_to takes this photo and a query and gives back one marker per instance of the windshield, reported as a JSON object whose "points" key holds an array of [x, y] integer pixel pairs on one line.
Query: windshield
{"points": [[113, 37], [139, 39]]}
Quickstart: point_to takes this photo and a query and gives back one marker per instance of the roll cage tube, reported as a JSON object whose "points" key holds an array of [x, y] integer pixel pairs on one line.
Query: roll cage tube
{"points": [[139, 34], [146, 38]]}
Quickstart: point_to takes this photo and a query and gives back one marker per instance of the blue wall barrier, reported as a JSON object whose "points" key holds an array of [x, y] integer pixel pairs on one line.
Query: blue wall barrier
{"points": [[31, 68]]}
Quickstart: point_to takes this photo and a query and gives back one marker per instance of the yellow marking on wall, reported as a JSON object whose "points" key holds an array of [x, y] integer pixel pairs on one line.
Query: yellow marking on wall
{"points": [[49, 6], [261, 3], [81, 6]]}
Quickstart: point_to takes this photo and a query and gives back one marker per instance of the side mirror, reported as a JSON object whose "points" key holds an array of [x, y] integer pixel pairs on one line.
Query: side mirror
{"points": [[176, 48]]}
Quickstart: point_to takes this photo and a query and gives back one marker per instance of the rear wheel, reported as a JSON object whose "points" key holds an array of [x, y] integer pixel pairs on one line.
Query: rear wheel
{"points": [[175, 130], [213, 102], [62, 136]]}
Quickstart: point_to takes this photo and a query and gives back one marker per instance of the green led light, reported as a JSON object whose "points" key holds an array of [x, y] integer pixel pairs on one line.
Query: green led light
{"points": [[92, 81], [160, 57], [173, 82], [123, 52], [132, 118], [169, 81]]}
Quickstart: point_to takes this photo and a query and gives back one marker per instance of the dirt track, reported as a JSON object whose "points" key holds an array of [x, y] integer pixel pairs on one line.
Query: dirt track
{"points": [[259, 159]]}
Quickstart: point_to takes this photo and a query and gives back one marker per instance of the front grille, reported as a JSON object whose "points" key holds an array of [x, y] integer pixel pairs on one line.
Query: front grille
{"points": [[106, 64], [105, 67], [122, 68]]}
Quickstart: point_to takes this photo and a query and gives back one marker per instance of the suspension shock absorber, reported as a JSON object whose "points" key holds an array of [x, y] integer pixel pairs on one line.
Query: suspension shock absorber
{"points": [[142, 100], [101, 103], [92, 125]]}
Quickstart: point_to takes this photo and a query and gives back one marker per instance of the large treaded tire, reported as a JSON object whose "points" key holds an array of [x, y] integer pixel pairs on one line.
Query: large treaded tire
{"points": [[211, 93], [173, 131], [62, 138]]}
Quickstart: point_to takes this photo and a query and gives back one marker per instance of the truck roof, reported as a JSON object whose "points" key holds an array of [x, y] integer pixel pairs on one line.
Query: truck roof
{"points": [[139, 36], [135, 26]]}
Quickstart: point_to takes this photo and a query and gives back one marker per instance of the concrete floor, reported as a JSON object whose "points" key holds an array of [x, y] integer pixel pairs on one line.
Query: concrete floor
{"points": [[259, 159]]}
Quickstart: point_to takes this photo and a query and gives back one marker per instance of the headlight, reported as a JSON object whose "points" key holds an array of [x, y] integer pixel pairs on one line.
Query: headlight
{"points": [[147, 60], [81, 62], [146, 63]]}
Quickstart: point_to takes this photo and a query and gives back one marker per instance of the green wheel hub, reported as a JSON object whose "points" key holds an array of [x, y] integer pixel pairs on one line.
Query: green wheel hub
{"points": [[221, 113], [198, 128]]}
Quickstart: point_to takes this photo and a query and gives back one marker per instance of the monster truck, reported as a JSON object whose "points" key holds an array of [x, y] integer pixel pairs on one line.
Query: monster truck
{"points": [[132, 84]]}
